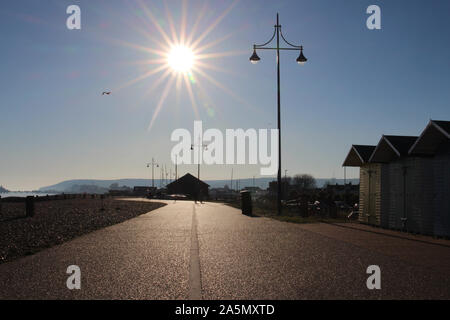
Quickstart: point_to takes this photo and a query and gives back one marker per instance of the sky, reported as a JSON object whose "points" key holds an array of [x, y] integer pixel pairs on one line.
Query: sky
{"points": [[358, 83]]}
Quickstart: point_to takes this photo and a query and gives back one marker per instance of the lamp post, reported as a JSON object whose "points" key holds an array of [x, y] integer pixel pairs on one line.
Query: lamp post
{"points": [[176, 167], [301, 61], [153, 163], [200, 146], [285, 185]]}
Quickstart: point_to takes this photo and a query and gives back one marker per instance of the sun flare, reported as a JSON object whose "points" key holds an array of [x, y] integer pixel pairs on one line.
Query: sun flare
{"points": [[181, 59]]}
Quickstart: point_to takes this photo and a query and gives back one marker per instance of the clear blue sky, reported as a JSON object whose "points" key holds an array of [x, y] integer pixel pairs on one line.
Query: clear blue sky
{"points": [[357, 84]]}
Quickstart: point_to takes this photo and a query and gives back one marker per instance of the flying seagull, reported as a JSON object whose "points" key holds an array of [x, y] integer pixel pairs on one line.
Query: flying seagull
{"points": [[104, 92]]}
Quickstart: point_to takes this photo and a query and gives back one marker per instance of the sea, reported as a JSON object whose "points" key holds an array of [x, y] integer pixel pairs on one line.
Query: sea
{"points": [[24, 194]]}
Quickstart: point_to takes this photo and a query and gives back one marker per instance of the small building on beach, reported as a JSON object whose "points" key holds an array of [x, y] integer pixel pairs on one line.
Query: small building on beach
{"points": [[369, 182], [391, 154], [433, 146], [405, 181], [189, 186]]}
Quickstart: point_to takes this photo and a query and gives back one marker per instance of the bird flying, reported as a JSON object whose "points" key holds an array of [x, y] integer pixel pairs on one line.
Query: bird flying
{"points": [[105, 92]]}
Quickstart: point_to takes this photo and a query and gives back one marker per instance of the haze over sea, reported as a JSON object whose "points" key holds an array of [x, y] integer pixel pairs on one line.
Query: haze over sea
{"points": [[23, 194]]}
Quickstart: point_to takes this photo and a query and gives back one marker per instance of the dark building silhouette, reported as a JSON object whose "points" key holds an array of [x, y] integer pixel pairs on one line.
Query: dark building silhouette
{"points": [[143, 191], [341, 189], [189, 186]]}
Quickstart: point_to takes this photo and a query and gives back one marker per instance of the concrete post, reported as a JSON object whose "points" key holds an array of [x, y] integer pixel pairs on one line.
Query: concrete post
{"points": [[29, 206]]}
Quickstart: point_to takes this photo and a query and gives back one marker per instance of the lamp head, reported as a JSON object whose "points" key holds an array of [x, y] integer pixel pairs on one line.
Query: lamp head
{"points": [[301, 58], [254, 58]]}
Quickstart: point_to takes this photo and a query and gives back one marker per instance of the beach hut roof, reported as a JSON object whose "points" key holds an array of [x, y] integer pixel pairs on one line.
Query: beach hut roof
{"points": [[431, 138], [358, 155], [392, 147]]}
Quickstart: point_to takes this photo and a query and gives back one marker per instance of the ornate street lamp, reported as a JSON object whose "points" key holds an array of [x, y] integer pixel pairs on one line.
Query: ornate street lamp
{"points": [[301, 60]]}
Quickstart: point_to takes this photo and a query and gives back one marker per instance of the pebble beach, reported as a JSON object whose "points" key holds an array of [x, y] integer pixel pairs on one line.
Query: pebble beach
{"points": [[57, 221]]}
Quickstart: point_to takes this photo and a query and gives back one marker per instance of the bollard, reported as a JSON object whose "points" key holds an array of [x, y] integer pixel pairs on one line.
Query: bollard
{"points": [[29, 206], [246, 202], [103, 202]]}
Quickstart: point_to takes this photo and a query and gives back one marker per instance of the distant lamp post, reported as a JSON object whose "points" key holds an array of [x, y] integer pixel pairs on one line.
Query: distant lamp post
{"points": [[301, 61], [200, 147], [153, 164]]}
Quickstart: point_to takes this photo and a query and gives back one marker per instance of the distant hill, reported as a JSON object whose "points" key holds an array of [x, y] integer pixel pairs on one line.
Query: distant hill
{"points": [[101, 185], [3, 190], [71, 185]]}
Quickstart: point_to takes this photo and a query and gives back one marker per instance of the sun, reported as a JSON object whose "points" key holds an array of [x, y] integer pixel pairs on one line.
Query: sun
{"points": [[181, 59]]}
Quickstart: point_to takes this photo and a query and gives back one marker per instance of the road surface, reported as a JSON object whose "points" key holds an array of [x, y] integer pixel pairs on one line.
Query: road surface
{"points": [[211, 251]]}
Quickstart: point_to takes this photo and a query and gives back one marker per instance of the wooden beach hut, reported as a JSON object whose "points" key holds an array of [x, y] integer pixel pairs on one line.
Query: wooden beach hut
{"points": [[396, 196], [405, 181], [433, 147], [369, 182]]}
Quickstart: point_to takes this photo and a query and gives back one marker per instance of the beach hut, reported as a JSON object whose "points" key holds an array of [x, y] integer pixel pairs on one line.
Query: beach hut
{"points": [[405, 181], [433, 147], [369, 182], [396, 196]]}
